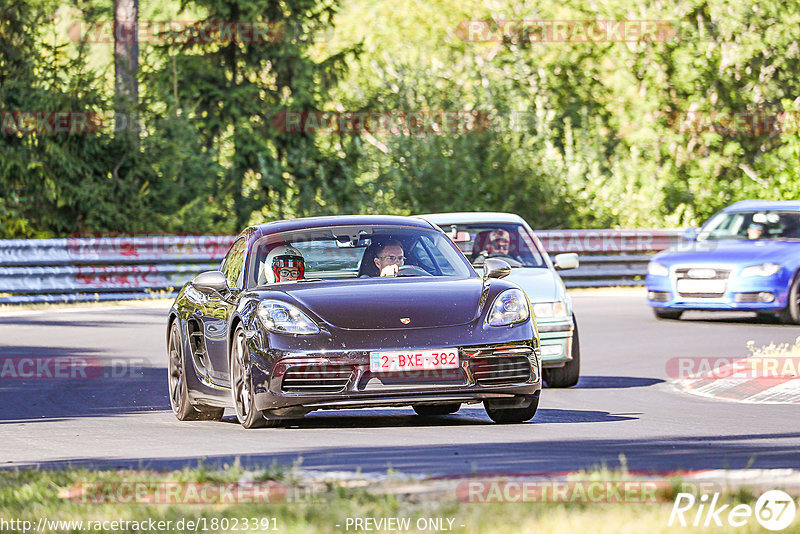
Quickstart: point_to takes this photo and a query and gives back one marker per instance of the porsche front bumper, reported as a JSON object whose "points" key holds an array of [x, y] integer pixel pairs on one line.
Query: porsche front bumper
{"points": [[299, 382]]}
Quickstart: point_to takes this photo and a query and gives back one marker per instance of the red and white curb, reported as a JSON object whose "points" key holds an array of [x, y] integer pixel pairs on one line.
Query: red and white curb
{"points": [[735, 381]]}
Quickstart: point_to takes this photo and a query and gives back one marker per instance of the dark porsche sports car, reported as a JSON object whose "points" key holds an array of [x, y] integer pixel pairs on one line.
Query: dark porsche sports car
{"points": [[376, 311]]}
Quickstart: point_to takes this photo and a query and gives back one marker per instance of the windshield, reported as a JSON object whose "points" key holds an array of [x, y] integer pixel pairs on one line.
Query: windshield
{"points": [[346, 252], [508, 241], [751, 225]]}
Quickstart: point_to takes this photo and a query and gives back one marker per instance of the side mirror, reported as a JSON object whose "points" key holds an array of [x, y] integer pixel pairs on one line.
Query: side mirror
{"points": [[495, 268], [690, 234], [566, 261], [211, 282]]}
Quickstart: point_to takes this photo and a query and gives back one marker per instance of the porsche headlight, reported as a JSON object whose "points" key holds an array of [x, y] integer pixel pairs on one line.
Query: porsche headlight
{"points": [[282, 318], [765, 269], [656, 269], [510, 307], [549, 310]]}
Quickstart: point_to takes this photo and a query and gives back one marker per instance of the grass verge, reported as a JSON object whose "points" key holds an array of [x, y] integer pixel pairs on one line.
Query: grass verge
{"points": [[277, 500]]}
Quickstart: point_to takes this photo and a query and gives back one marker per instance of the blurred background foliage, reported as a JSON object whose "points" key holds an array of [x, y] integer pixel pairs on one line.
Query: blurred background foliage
{"points": [[590, 134]]}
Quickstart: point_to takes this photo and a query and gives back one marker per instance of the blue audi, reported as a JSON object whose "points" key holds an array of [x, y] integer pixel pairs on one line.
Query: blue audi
{"points": [[744, 258]]}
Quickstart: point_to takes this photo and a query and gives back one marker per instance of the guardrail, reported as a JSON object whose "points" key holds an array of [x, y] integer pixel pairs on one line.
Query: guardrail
{"points": [[608, 258], [125, 268]]}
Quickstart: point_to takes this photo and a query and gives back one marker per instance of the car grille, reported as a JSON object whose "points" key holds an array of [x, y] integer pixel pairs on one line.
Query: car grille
{"points": [[316, 378], [701, 282], [502, 365], [715, 274], [431, 378]]}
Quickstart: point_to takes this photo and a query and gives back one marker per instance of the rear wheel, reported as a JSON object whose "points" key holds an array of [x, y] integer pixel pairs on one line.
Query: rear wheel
{"points": [[568, 375], [667, 314], [436, 409], [178, 390], [242, 383], [791, 313], [498, 414]]}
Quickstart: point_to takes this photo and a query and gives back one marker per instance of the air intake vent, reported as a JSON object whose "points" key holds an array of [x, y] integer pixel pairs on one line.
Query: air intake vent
{"points": [[316, 378], [501, 365]]}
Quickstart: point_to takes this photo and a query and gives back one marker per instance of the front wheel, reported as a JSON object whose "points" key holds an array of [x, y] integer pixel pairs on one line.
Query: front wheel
{"points": [[568, 375], [791, 313], [511, 415], [242, 383], [178, 390], [436, 409]]}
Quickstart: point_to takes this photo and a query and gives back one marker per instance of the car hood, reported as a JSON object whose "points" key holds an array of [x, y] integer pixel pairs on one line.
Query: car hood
{"points": [[374, 303], [540, 284], [735, 252]]}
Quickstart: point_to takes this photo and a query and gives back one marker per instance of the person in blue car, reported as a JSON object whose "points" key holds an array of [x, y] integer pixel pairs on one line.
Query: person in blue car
{"points": [[755, 231]]}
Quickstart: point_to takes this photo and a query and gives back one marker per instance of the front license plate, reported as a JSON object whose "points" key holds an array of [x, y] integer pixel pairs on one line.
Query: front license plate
{"points": [[413, 360], [701, 286]]}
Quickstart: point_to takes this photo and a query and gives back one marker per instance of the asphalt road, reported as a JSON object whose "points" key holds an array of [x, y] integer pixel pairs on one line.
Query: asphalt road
{"points": [[119, 416]]}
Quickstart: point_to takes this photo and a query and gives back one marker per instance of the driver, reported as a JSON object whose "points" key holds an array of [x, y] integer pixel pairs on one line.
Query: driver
{"points": [[284, 263], [497, 243], [755, 231], [389, 258]]}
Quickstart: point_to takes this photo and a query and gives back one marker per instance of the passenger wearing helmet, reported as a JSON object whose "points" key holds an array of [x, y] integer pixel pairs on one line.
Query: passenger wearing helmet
{"points": [[284, 263]]}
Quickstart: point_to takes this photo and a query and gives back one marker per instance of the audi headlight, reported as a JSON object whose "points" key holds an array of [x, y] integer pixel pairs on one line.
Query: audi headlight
{"points": [[765, 269], [656, 269], [510, 307], [549, 310], [282, 318]]}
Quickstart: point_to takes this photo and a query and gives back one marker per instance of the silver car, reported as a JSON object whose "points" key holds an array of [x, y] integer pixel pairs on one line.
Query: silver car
{"points": [[480, 235]]}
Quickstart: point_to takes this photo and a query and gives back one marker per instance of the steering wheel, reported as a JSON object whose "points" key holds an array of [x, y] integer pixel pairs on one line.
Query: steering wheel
{"points": [[412, 270]]}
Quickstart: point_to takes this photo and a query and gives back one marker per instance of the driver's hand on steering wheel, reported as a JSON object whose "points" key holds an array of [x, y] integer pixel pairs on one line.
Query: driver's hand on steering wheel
{"points": [[390, 270]]}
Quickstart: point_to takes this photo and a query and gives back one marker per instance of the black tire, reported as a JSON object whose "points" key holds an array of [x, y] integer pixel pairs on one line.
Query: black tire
{"points": [[791, 313], [436, 409], [767, 317], [242, 384], [178, 390], [568, 375], [512, 415], [667, 314]]}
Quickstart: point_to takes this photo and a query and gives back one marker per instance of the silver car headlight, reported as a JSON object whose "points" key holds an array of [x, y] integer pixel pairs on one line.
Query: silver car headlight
{"points": [[765, 269], [549, 310], [510, 307], [282, 318], [656, 269]]}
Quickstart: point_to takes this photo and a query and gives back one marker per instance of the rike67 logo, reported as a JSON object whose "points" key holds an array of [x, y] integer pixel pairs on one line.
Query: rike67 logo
{"points": [[774, 510]]}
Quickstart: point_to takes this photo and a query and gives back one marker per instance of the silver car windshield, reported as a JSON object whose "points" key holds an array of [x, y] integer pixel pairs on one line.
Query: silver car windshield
{"points": [[751, 225], [507, 241], [345, 252]]}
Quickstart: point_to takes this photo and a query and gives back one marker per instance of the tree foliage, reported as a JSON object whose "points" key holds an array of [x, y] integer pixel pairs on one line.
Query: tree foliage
{"points": [[572, 134]]}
